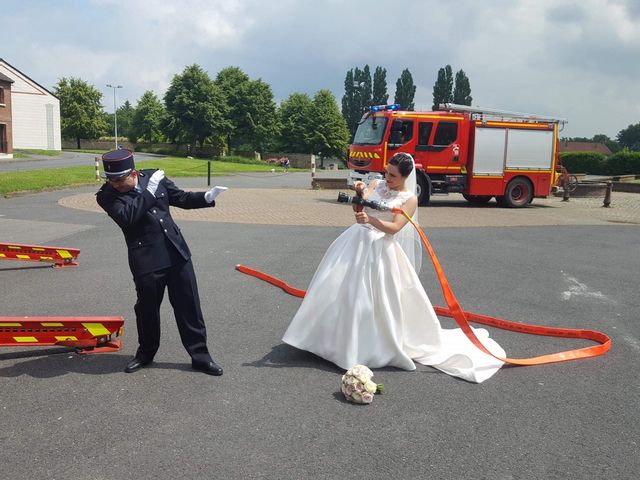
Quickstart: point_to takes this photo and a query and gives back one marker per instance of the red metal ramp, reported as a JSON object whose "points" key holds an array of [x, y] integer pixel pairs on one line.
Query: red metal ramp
{"points": [[85, 334], [59, 256]]}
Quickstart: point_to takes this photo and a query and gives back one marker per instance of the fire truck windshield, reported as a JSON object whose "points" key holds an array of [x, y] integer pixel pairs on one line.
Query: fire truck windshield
{"points": [[370, 133]]}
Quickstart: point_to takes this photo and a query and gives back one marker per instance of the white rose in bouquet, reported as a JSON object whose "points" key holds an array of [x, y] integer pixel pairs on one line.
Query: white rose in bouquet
{"points": [[357, 386]]}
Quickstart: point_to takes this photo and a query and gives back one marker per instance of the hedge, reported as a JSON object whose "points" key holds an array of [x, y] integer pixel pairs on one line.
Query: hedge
{"points": [[621, 163], [583, 162]]}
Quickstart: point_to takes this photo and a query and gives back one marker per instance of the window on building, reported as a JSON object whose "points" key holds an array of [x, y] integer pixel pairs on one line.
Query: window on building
{"points": [[3, 138], [1, 96]]}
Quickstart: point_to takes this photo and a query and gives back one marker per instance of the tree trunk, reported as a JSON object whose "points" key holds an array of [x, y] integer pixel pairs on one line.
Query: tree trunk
{"points": [[78, 141]]}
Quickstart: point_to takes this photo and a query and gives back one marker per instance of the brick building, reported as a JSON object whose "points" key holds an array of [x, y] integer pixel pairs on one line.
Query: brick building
{"points": [[6, 145], [30, 114]]}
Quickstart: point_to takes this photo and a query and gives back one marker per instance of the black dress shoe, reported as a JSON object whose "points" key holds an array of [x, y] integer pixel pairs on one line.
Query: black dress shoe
{"points": [[210, 368], [136, 364]]}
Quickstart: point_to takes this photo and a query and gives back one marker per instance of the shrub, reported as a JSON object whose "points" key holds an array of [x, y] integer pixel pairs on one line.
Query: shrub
{"points": [[238, 159], [623, 163], [583, 162]]}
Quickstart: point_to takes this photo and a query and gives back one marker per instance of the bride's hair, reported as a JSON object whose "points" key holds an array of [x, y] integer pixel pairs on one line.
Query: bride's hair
{"points": [[404, 162]]}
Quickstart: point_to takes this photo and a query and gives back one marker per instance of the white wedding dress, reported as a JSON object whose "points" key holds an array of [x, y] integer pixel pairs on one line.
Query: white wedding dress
{"points": [[366, 305]]}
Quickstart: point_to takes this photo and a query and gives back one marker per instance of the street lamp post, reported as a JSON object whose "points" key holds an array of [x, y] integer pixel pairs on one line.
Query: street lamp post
{"points": [[115, 112]]}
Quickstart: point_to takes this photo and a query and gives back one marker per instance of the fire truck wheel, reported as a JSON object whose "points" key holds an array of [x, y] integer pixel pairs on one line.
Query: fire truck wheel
{"points": [[424, 189], [519, 193], [477, 199]]}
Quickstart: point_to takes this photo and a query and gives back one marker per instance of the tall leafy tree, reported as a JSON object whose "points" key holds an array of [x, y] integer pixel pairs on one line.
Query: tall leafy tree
{"points": [[252, 109], [351, 103], [328, 133], [448, 76], [296, 116], [462, 89], [363, 77], [148, 118], [613, 145], [125, 113], [196, 108], [357, 96], [630, 137], [405, 90], [380, 95], [261, 126], [81, 113], [443, 88], [232, 82]]}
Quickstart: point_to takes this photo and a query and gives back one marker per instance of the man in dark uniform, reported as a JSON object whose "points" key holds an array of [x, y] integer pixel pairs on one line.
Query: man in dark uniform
{"points": [[138, 201]]}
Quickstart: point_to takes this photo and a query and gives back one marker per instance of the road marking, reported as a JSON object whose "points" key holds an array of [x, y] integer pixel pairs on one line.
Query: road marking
{"points": [[579, 289], [634, 342]]}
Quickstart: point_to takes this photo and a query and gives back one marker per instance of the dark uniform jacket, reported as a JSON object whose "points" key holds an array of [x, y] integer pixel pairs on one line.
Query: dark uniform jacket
{"points": [[153, 239]]}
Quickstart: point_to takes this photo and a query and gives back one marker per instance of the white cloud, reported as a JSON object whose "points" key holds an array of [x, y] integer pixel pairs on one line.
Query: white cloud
{"points": [[570, 58]]}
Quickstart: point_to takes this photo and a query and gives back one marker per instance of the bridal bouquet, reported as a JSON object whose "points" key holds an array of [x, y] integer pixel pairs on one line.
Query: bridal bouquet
{"points": [[357, 386]]}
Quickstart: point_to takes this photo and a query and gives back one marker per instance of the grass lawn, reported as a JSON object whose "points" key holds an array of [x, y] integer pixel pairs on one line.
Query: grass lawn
{"points": [[25, 153], [47, 179]]}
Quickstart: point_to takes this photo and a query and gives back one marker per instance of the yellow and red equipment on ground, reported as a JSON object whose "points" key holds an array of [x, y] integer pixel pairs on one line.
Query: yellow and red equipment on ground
{"points": [[85, 334], [59, 256]]}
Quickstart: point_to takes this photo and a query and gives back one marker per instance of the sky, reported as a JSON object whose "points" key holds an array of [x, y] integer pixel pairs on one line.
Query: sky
{"points": [[572, 59]]}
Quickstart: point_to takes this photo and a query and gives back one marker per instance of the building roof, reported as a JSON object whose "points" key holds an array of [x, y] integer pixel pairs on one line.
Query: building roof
{"points": [[583, 147], [4, 78], [2, 60]]}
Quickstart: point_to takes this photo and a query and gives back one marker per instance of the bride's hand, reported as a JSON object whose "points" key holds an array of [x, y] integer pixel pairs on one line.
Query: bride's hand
{"points": [[362, 217]]}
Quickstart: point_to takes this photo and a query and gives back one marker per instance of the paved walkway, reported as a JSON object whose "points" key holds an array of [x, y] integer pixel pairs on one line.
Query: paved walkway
{"points": [[296, 206]]}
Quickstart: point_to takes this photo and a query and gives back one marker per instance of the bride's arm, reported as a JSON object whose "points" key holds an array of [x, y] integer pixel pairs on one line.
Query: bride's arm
{"points": [[394, 226], [364, 190]]}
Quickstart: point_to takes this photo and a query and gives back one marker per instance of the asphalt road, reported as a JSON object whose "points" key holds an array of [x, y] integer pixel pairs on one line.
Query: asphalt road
{"points": [[277, 412]]}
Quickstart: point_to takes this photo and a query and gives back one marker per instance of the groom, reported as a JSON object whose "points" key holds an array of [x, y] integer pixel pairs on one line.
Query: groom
{"points": [[138, 201]]}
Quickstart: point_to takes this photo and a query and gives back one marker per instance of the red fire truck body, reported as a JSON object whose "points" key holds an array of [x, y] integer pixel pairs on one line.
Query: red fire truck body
{"points": [[480, 153]]}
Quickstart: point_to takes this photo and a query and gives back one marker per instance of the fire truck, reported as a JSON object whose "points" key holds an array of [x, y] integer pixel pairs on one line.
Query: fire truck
{"points": [[480, 153]]}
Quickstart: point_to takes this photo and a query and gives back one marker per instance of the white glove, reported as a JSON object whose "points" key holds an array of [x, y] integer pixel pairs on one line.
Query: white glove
{"points": [[213, 193], [154, 181]]}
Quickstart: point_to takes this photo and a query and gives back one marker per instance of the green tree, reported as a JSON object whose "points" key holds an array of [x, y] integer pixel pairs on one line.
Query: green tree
{"points": [[405, 90], [610, 143], [261, 127], [328, 134], [462, 89], [443, 88], [350, 103], [125, 112], [380, 95], [252, 109], [296, 115], [148, 117], [630, 137], [363, 77], [357, 96], [81, 113], [196, 108]]}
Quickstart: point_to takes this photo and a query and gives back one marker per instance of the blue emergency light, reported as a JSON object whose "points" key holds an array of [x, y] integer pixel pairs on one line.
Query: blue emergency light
{"points": [[378, 108]]}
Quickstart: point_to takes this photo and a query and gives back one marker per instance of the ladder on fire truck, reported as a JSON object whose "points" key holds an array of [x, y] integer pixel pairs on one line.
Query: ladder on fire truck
{"points": [[478, 113], [85, 334], [59, 256]]}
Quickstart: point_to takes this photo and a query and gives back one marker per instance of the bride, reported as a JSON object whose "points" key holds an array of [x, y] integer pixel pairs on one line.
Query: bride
{"points": [[366, 305]]}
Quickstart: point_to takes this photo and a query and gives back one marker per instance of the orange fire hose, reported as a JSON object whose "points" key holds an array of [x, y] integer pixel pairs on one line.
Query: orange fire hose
{"points": [[462, 318]]}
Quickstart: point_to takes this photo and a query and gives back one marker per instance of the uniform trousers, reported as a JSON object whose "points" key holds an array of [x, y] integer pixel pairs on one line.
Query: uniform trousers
{"points": [[180, 281]]}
